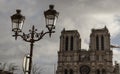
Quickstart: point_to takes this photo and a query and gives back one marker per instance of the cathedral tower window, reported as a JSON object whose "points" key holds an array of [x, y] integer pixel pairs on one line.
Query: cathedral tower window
{"points": [[97, 42], [102, 43], [71, 43], [66, 43]]}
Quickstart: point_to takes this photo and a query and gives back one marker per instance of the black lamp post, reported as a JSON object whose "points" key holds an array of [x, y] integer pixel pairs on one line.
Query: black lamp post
{"points": [[18, 19]]}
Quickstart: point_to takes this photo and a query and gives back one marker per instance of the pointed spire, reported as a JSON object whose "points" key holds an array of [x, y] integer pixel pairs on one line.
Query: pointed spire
{"points": [[105, 28], [63, 30]]}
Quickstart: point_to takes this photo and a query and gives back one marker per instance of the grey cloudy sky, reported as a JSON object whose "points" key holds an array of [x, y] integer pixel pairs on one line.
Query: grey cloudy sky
{"points": [[82, 15]]}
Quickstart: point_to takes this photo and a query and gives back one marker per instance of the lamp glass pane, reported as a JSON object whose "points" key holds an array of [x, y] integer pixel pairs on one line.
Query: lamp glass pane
{"points": [[55, 21], [17, 25], [14, 26], [50, 20]]}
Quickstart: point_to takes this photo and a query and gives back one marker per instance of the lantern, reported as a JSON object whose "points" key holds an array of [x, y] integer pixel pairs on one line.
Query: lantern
{"points": [[17, 21], [51, 16]]}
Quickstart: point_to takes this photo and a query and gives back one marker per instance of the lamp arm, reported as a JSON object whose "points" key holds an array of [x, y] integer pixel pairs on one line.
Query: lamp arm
{"points": [[22, 36], [25, 39], [32, 36], [41, 35]]}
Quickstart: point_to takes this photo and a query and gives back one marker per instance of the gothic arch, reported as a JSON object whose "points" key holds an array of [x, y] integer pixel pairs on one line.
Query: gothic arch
{"points": [[65, 71], [98, 71], [71, 71], [103, 71], [66, 43], [97, 42], [71, 43], [102, 42]]}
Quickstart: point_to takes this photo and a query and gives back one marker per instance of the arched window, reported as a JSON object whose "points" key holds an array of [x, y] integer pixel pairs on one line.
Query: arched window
{"points": [[79, 57], [66, 71], [71, 43], [97, 71], [66, 43], [103, 71], [102, 42], [71, 71], [97, 42]]}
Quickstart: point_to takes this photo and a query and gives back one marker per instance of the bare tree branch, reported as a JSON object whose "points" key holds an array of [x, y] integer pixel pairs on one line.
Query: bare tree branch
{"points": [[36, 69]]}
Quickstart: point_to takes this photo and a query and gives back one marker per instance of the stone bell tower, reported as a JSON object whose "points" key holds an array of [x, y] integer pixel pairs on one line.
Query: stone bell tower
{"points": [[100, 39], [70, 40], [100, 47], [70, 44]]}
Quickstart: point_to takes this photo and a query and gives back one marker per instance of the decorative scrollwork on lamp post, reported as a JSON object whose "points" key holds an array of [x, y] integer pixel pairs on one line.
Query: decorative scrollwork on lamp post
{"points": [[18, 19]]}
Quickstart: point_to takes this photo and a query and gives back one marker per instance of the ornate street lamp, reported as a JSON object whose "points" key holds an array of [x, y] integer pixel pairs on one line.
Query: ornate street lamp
{"points": [[18, 19], [51, 16]]}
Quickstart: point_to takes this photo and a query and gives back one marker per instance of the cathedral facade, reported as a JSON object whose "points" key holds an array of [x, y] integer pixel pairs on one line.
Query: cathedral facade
{"points": [[96, 60]]}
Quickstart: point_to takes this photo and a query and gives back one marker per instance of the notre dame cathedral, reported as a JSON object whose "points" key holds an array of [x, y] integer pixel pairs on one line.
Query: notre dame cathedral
{"points": [[72, 59]]}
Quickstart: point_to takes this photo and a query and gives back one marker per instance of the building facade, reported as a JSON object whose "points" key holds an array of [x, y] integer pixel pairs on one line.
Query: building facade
{"points": [[96, 60]]}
